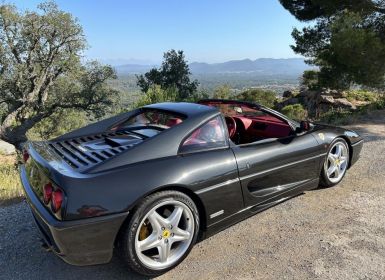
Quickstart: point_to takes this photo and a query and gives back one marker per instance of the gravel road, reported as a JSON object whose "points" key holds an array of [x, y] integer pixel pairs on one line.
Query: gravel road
{"points": [[335, 233]]}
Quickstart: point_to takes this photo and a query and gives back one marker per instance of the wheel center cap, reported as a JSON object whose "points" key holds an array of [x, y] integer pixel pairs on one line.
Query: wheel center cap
{"points": [[166, 234]]}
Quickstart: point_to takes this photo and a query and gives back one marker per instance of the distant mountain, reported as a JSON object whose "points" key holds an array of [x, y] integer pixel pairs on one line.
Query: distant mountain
{"points": [[258, 67], [133, 68], [261, 66]]}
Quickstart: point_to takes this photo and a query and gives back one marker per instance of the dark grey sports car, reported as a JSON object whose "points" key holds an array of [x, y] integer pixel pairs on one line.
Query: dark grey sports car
{"points": [[151, 182]]}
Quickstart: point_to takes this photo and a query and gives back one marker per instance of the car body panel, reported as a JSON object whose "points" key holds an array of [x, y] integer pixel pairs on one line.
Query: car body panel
{"points": [[271, 167], [228, 183]]}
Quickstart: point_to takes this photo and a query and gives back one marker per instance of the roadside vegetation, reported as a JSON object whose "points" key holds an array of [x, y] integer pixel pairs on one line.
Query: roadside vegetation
{"points": [[10, 186]]}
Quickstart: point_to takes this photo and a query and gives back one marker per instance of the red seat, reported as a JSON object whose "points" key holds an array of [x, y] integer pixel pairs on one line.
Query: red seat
{"points": [[173, 121]]}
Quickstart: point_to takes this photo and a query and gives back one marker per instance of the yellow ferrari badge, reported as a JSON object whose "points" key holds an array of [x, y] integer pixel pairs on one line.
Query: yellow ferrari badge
{"points": [[166, 234], [321, 135]]}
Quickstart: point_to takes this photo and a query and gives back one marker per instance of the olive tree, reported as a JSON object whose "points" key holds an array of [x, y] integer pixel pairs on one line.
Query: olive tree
{"points": [[41, 70]]}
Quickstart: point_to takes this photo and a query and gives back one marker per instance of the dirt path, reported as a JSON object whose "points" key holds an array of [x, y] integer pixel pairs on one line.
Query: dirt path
{"points": [[336, 233]]}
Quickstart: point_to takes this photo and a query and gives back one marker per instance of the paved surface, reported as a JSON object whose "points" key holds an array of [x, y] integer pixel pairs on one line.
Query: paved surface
{"points": [[335, 233]]}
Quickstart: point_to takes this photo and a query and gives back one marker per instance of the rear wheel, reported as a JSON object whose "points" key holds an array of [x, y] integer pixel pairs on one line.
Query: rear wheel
{"points": [[160, 233], [336, 163]]}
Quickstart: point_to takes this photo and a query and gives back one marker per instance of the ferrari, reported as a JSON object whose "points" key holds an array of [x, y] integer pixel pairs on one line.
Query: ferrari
{"points": [[150, 183]]}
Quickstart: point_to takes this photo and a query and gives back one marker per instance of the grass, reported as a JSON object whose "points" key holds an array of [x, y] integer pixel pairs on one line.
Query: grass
{"points": [[10, 186], [362, 95]]}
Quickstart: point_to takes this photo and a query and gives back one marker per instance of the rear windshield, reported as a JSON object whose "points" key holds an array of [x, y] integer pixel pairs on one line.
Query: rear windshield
{"points": [[153, 118]]}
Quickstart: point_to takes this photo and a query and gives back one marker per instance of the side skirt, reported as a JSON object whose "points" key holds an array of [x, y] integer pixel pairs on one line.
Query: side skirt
{"points": [[253, 209]]}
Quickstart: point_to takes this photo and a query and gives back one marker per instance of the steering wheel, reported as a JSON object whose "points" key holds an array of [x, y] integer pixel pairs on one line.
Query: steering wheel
{"points": [[231, 126]]}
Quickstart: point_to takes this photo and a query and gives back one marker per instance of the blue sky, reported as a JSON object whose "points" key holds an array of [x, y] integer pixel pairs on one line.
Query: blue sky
{"points": [[207, 30]]}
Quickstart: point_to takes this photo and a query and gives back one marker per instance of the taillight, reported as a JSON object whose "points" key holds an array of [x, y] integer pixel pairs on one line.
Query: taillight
{"points": [[47, 193], [57, 200], [25, 155]]}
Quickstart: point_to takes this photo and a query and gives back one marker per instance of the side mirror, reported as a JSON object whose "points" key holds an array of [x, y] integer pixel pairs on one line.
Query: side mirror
{"points": [[303, 126]]}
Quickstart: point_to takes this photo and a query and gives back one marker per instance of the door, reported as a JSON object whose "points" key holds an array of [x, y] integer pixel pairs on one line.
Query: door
{"points": [[270, 168]]}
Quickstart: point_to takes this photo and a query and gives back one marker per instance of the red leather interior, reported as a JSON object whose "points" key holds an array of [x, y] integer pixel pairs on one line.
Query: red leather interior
{"points": [[265, 126], [231, 126], [173, 121], [252, 124], [210, 131]]}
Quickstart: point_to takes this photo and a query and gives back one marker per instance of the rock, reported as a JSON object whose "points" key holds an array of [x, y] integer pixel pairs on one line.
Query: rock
{"points": [[286, 102], [287, 94], [343, 102], [6, 149], [318, 102], [333, 92], [326, 99]]}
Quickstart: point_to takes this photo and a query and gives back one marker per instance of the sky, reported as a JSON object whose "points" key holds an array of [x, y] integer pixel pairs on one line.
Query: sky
{"points": [[140, 31]]}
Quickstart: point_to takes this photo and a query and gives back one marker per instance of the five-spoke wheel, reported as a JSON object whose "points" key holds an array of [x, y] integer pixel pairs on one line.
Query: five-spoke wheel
{"points": [[161, 232], [336, 163], [165, 234]]}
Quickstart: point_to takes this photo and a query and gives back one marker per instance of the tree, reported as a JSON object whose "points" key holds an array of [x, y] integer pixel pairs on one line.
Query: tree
{"points": [[309, 79], [345, 38], [295, 111], [264, 97], [156, 95], [174, 72], [57, 124], [41, 70], [222, 92]]}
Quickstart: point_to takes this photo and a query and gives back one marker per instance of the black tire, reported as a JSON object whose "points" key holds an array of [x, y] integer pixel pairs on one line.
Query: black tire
{"points": [[126, 238], [324, 180]]}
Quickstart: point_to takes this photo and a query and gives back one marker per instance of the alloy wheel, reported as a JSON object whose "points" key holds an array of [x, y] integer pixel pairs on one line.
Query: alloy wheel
{"points": [[164, 234], [337, 162]]}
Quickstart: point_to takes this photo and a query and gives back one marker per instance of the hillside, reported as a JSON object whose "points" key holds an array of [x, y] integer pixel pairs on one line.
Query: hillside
{"points": [[261, 67], [275, 74]]}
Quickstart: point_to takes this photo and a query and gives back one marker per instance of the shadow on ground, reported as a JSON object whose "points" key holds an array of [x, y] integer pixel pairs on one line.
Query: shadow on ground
{"points": [[23, 258]]}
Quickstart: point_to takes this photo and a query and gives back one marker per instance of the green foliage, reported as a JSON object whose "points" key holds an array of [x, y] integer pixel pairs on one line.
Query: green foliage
{"points": [[361, 95], [155, 94], [57, 124], [174, 72], [346, 39], [223, 92], [41, 70], [198, 95], [260, 96], [10, 186], [337, 116], [296, 112], [310, 79]]}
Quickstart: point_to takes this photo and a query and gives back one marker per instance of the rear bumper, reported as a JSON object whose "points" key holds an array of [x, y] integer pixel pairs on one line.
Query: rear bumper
{"points": [[356, 150], [80, 242]]}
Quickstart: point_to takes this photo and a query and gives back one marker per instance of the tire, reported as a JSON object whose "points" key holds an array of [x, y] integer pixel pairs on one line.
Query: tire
{"points": [[154, 240], [341, 163]]}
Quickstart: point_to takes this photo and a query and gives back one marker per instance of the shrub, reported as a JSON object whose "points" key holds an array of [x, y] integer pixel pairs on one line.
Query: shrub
{"points": [[361, 95], [10, 186], [295, 111], [222, 92], [310, 79], [264, 97], [59, 123], [155, 94], [338, 117]]}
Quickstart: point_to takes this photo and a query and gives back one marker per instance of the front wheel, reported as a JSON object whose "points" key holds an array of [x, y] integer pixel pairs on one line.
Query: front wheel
{"points": [[161, 233], [336, 163]]}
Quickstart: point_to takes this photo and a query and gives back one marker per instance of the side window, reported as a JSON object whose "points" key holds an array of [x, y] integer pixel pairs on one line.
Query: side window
{"points": [[208, 136]]}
